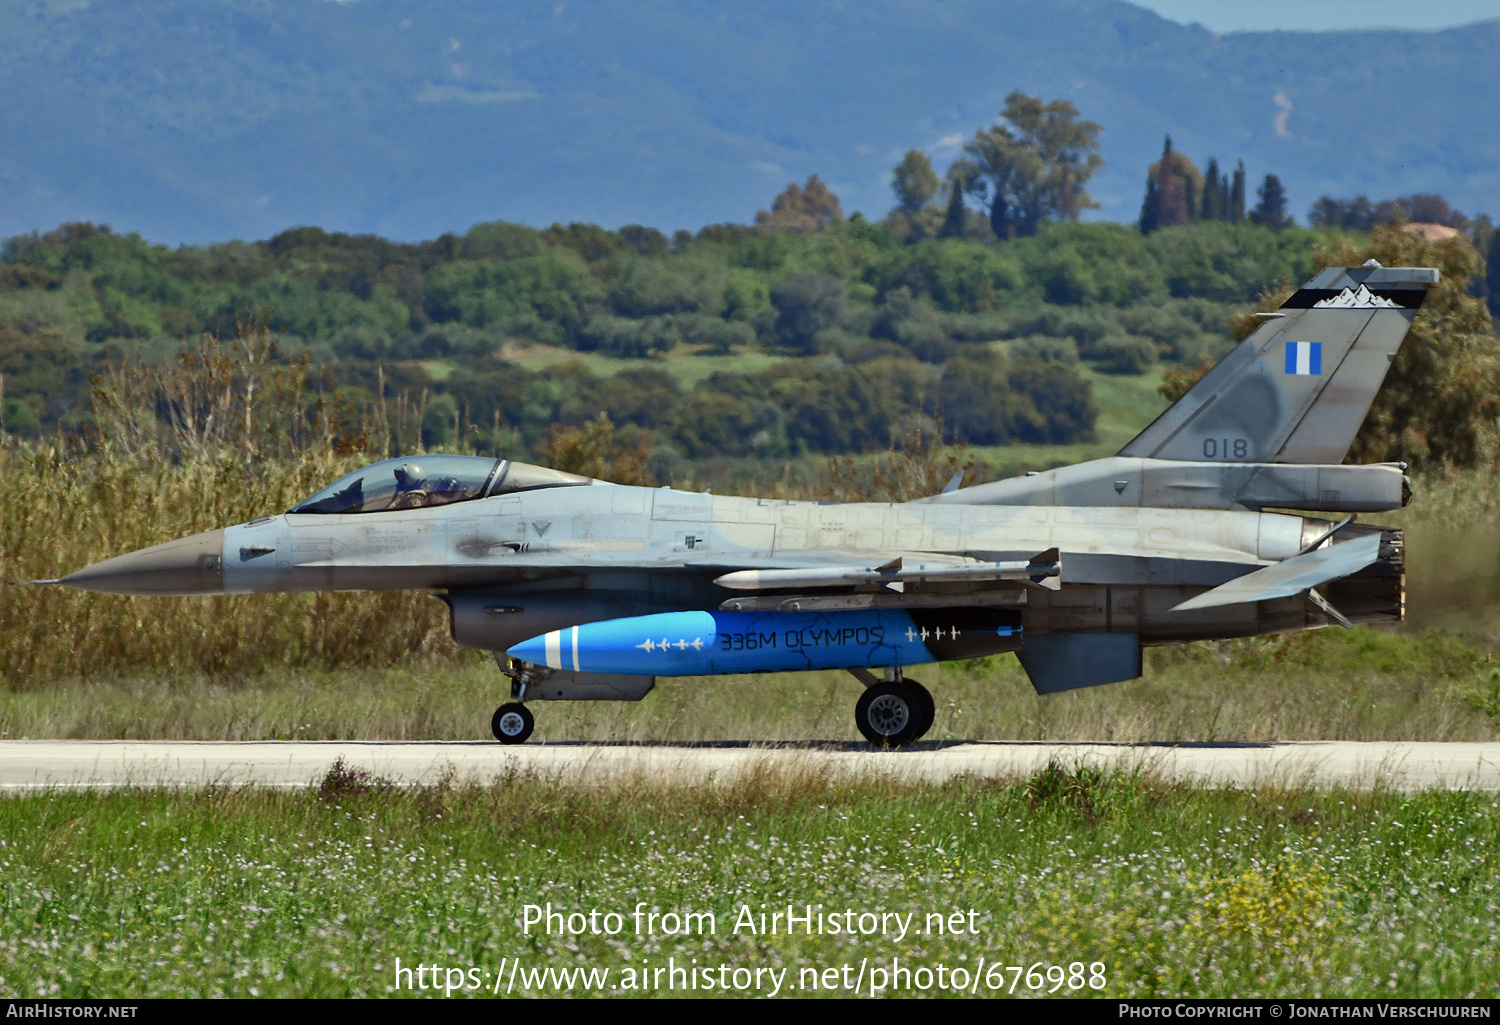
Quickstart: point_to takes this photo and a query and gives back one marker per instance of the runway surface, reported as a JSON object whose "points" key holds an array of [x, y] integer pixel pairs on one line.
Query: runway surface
{"points": [[41, 764]]}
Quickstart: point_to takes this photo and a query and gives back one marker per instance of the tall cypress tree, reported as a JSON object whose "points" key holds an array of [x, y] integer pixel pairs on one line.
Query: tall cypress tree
{"points": [[1149, 206], [1271, 210], [1213, 198], [1237, 195], [1155, 186], [1492, 276], [1001, 221], [953, 220]]}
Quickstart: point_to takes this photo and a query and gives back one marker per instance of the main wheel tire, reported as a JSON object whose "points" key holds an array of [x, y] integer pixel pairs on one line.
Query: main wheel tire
{"points": [[512, 723], [888, 714], [925, 705]]}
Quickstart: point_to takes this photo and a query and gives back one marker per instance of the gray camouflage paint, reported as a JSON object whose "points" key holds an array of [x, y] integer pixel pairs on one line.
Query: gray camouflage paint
{"points": [[1177, 512]]}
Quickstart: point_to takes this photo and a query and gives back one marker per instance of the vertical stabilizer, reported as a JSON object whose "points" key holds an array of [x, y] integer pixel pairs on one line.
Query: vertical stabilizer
{"points": [[1296, 390]]}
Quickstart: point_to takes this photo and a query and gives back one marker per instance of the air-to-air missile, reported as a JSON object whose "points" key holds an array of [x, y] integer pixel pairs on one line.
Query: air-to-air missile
{"points": [[586, 590]]}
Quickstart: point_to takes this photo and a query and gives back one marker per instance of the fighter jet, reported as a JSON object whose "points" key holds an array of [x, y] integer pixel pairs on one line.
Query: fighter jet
{"points": [[589, 591]]}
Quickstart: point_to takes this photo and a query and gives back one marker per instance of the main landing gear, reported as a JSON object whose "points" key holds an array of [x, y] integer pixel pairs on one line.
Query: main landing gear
{"points": [[513, 722], [892, 712]]}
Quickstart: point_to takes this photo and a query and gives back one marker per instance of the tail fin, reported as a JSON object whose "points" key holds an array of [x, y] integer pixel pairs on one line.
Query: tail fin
{"points": [[1298, 388]]}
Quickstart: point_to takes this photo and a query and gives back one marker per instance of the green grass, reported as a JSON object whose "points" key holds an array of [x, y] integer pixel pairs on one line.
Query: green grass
{"points": [[1329, 685], [76, 664], [539, 357], [687, 366], [1127, 403], [690, 369], [437, 369], [1175, 891]]}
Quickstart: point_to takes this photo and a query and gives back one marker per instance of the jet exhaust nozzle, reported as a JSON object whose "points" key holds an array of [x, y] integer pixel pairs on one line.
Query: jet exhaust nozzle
{"points": [[709, 643]]}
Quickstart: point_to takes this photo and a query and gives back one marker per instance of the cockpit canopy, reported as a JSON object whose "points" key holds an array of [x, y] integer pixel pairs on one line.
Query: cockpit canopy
{"points": [[415, 482]]}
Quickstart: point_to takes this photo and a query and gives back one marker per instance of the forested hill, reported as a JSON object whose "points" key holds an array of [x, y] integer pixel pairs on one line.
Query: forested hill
{"points": [[192, 121], [736, 342]]}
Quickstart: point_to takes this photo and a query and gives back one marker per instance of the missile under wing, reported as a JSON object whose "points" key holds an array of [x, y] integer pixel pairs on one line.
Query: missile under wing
{"points": [[586, 590]]}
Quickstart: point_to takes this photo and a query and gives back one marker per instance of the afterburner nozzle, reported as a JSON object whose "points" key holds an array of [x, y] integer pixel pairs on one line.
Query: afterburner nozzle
{"points": [[189, 565]]}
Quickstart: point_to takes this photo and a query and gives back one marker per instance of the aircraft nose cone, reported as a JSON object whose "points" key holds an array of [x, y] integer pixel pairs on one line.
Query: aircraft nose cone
{"points": [[189, 565]]}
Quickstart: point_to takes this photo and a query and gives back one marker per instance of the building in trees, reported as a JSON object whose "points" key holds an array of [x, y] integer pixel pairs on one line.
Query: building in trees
{"points": [[809, 208], [1031, 165], [1430, 208]]}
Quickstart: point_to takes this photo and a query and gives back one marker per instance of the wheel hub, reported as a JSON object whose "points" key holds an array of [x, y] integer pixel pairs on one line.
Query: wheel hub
{"points": [[511, 724], [888, 715]]}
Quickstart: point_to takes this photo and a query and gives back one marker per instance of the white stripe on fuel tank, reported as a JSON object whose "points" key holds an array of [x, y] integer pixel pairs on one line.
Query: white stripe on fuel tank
{"points": [[575, 648], [554, 649]]}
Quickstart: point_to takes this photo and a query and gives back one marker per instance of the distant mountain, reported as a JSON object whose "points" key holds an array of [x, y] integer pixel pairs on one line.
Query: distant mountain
{"points": [[193, 121]]}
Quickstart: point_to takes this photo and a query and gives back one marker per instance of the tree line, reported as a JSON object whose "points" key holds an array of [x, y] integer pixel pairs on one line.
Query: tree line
{"points": [[976, 324], [1073, 295]]}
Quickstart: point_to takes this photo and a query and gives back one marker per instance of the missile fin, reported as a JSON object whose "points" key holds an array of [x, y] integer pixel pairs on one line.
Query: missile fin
{"points": [[1326, 607], [1049, 569]]}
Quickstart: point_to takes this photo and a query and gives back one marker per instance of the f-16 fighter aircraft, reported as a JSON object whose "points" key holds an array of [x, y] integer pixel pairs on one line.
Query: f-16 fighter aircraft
{"points": [[589, 591]]}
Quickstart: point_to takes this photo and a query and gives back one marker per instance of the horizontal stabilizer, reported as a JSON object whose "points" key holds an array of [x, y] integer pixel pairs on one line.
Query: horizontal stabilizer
{"points": [[1293, 576]]}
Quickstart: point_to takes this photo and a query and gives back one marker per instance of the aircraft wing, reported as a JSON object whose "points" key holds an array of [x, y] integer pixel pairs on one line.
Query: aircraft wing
{"points": [[1293, 576]]}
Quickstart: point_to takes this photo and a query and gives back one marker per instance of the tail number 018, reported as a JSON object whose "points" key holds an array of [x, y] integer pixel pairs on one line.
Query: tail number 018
{"points": [[1226, 448]]}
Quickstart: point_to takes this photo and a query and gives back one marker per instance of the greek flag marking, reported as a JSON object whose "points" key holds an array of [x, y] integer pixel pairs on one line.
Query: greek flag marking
{"points": [[1304, 357]]}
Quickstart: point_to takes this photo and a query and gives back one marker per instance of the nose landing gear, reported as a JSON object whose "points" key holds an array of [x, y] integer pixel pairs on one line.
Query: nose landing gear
{"points": [[512, 723], [892, 712]]}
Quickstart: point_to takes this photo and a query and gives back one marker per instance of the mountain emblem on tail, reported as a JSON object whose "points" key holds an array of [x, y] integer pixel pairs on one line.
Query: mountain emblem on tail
{"points": [[1360, 298]]}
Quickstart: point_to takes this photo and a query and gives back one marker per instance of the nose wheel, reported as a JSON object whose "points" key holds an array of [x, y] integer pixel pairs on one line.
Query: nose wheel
{"points": [[512, 723], [893, 713]]}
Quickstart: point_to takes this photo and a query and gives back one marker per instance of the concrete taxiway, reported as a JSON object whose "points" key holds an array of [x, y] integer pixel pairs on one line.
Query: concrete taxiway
{"points": [[88, 764]]}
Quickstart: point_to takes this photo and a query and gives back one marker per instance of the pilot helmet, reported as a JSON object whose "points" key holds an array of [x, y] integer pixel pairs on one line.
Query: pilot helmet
{"points": [[409, 476]]}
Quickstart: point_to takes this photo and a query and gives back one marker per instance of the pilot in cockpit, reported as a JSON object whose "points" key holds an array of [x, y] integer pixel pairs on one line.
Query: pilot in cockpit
{"points": [[411, 487], [448, 489]]}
